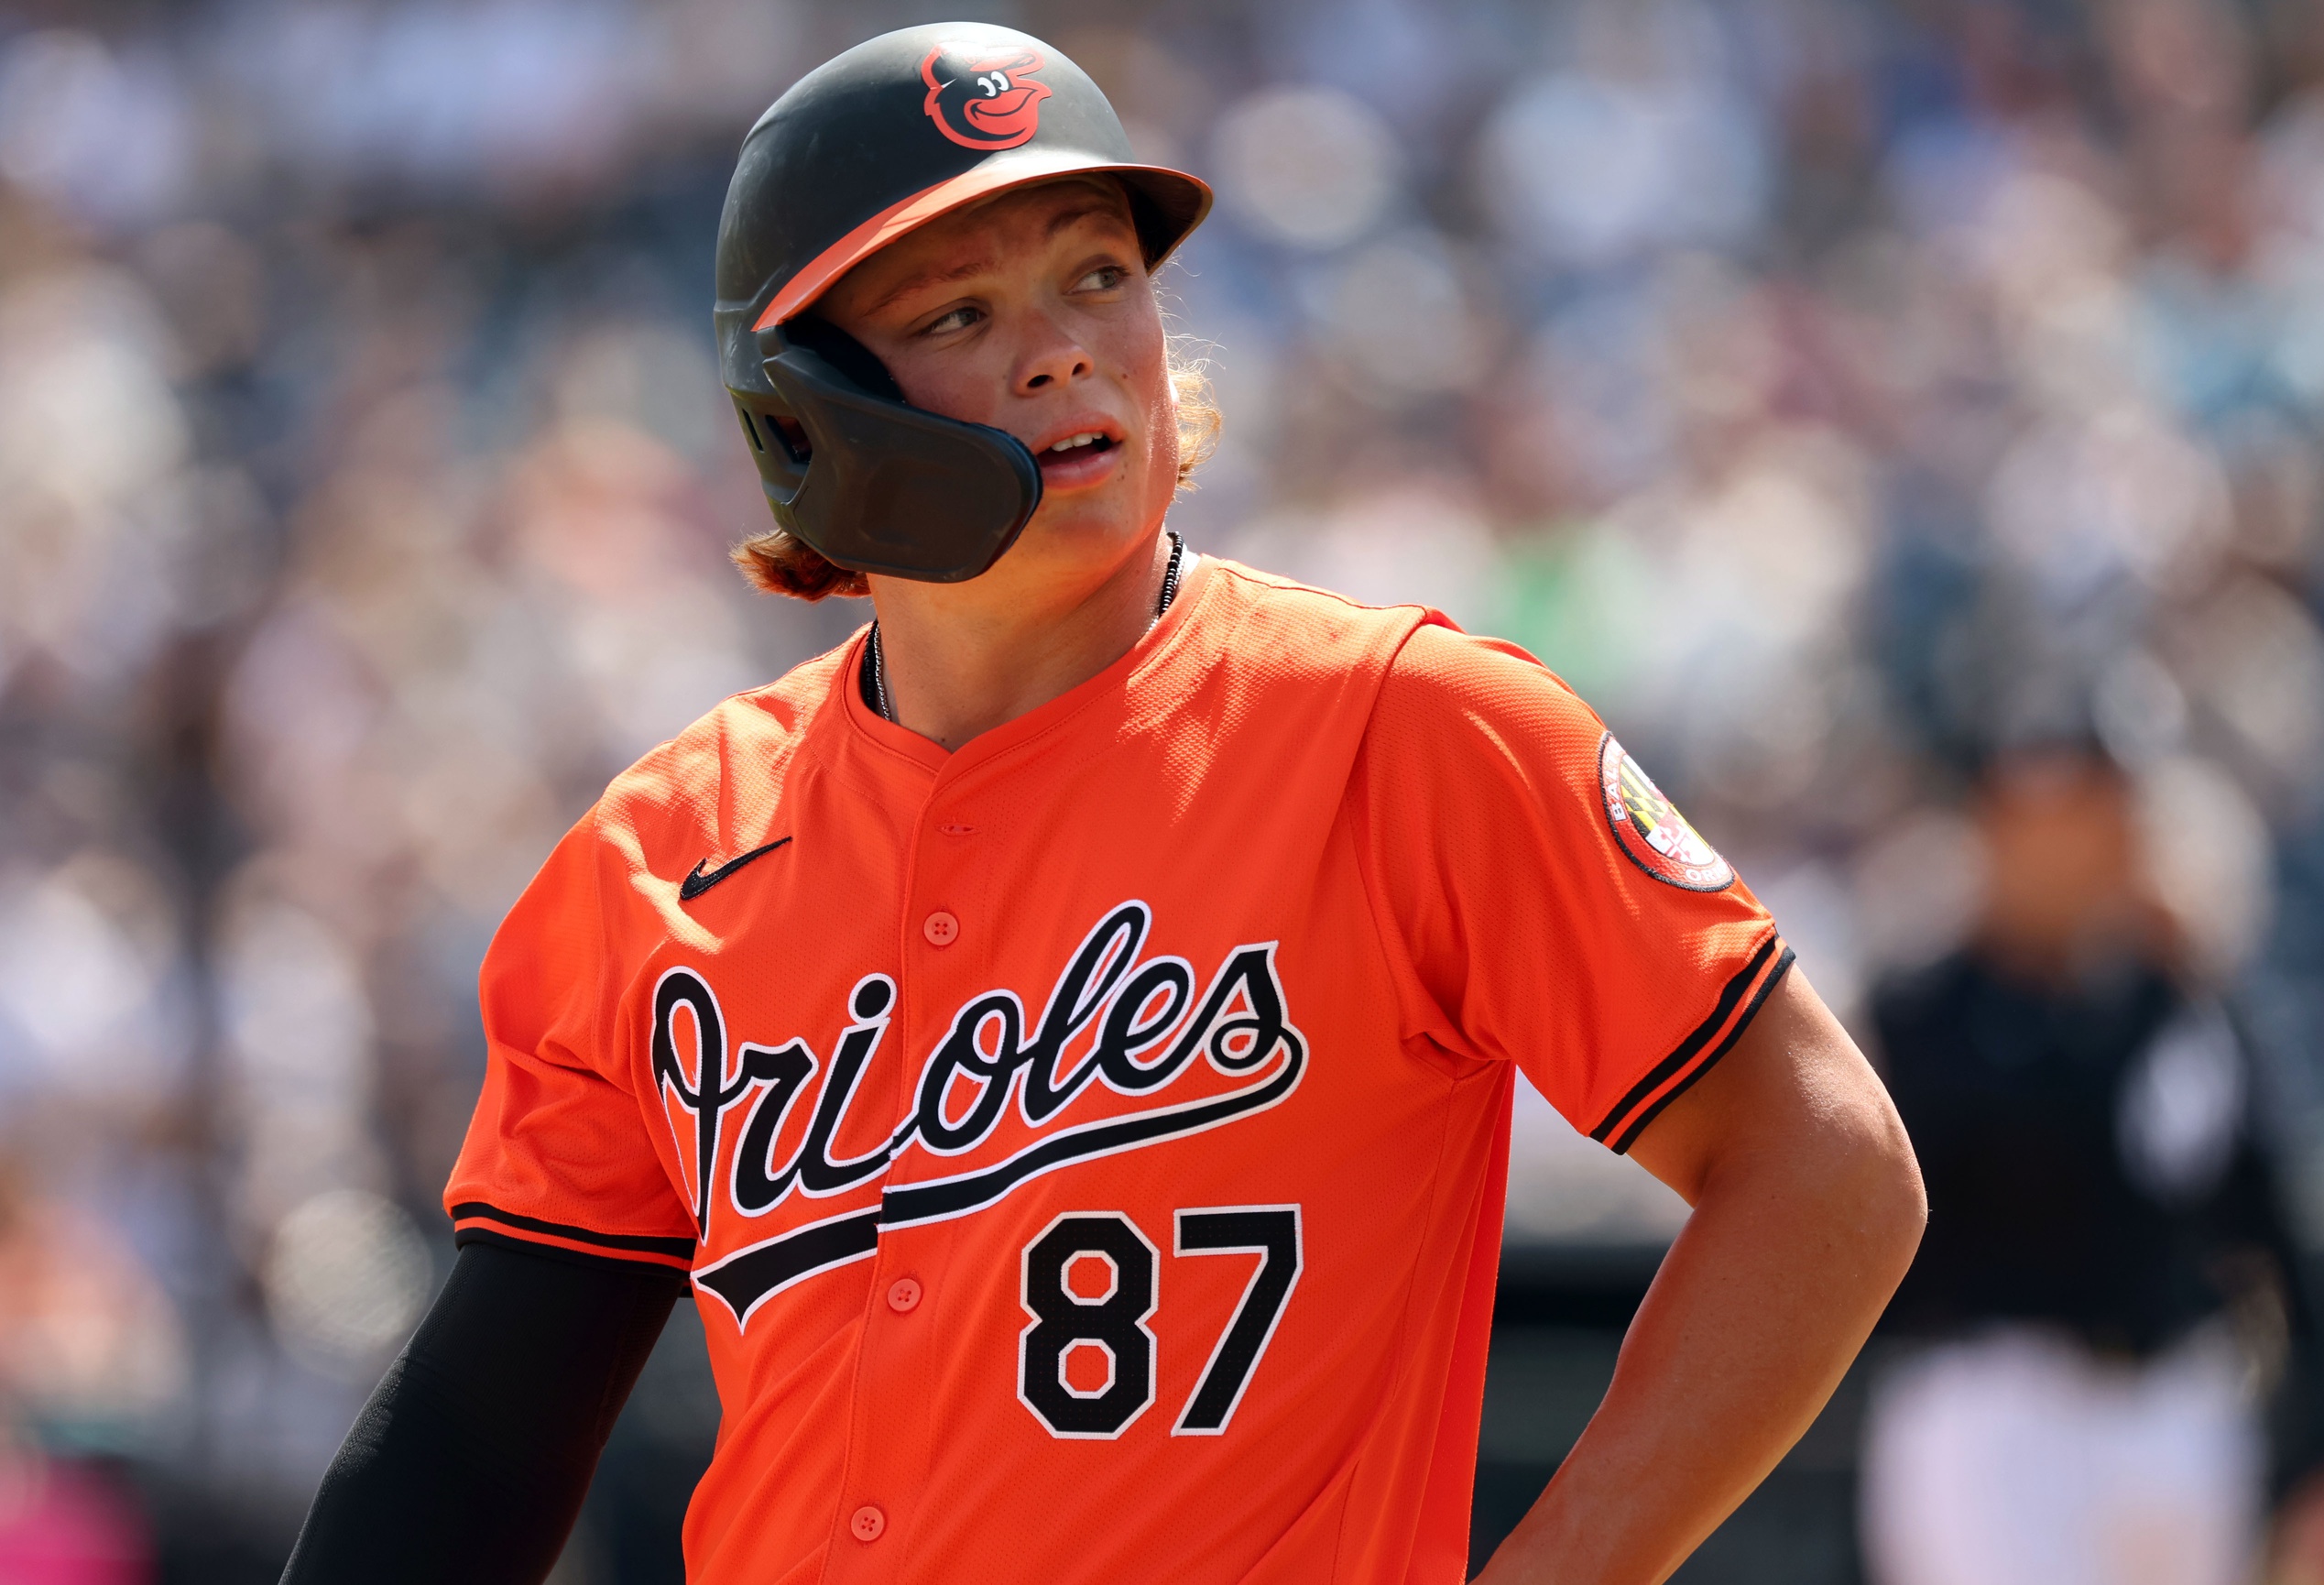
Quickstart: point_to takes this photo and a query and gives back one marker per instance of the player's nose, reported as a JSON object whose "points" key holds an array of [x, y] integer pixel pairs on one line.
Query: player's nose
{"points": [[1049, 357]]}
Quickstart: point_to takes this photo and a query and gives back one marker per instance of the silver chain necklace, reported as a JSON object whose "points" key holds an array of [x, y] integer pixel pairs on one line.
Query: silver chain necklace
{"points": [[876, 669]]}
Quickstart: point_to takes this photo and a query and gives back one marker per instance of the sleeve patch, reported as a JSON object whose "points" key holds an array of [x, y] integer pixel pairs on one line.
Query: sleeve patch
{"points": [[1649, 828]]}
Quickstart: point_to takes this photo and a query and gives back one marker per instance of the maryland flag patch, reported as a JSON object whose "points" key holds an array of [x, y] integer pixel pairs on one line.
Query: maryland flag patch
{"points": [[1651, 830]]}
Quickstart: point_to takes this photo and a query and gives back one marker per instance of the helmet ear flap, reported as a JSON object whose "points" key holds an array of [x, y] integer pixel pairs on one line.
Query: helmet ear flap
{"points": [[873, 483], [780, 443], [776, 431], [837, 348]]}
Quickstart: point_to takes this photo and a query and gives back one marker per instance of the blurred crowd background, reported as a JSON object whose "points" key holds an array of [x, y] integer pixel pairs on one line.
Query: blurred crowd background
{"points": [[1850, 399]]}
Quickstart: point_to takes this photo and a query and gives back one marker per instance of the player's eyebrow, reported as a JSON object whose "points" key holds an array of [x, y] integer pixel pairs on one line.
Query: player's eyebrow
{"points": [[970, 268], [1065, 217], [928, 278]]}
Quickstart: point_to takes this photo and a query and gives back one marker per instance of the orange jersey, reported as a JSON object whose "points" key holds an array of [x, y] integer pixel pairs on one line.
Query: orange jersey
{"points": [[1088, 1147]]}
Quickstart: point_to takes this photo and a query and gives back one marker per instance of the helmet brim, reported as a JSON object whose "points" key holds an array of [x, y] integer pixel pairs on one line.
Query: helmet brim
{"points": [[1178, 202]]}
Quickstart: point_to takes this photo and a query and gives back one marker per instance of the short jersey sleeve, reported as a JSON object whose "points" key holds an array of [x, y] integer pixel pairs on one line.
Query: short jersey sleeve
{"points": [[1545, 902], [557, 1157]]}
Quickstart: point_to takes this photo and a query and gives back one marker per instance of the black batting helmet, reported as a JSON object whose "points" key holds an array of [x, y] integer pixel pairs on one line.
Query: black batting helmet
{"points": [[868, 145]]}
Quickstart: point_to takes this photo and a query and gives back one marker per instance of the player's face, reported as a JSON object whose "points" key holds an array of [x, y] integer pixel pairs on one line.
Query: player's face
{"points": [[1033, 313]]}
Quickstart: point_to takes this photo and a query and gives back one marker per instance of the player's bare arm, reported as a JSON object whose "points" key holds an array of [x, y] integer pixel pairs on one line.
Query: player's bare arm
{"points": [[1807, 1207]]}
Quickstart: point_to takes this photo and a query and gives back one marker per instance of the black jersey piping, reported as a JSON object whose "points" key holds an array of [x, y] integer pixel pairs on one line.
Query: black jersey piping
{"points": [[1620, 1126], [464, 1237], [1630, 1135], [643, 1243]]}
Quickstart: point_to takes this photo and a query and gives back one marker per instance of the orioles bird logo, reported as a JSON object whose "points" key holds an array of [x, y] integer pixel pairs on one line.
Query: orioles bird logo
{"points": [[992, 102]]}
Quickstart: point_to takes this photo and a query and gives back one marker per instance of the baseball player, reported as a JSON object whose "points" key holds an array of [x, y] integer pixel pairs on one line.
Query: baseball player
{"points": [[1064, 1037]]}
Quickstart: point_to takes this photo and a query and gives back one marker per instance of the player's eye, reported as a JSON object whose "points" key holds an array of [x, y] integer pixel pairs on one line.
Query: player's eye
{"points": [[1105, 278], [960, 318]]}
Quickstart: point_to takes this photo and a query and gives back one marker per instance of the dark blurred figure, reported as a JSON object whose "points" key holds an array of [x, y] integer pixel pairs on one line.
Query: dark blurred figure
{"points": [[2099, 1296]]}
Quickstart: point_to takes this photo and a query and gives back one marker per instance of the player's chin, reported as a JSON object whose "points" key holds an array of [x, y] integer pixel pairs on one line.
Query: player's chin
{"points": [[1092, 527]]}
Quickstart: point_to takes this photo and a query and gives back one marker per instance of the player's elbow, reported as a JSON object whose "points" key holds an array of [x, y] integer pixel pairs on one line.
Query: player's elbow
{"points": [[1843, 1169], [1872, 1185]]}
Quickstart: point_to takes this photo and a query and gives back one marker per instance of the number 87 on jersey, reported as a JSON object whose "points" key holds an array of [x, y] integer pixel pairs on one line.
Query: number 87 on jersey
{"points": [[1091, 1283]]}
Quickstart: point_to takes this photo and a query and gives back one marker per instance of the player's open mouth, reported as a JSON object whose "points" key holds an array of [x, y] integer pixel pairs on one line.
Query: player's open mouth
{"points": [[1085, 457]]}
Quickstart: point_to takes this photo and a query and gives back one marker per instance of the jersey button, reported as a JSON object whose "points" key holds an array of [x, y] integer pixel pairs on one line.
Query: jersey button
{"points": [[903, 1296], [941, 928], [867, 1523]]}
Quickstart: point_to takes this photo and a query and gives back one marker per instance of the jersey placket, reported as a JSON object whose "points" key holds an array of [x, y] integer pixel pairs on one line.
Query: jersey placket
{"points": [[946, 955]]}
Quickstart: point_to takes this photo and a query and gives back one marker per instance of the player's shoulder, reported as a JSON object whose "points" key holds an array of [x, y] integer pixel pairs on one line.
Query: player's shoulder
{"points": [[1283, 601], [1450, 696], [1291, 626], [1431, 675], [1441, 664], [726, 767]]}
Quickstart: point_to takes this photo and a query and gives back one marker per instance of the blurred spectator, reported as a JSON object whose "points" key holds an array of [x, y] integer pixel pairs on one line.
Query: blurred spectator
{"points": [[87, 1343], [2101, 1296], [90, 1346]]}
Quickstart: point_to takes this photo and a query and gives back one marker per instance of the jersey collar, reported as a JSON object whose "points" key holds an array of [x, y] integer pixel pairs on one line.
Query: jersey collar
{"points": [[1124, 677]]}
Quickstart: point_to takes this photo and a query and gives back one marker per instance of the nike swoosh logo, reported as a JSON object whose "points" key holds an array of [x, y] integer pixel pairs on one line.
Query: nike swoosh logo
{"points": [[695, 884]]}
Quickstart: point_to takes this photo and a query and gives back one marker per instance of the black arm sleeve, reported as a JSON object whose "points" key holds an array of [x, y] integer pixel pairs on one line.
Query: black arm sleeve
{"points": [[472, 1459]]}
